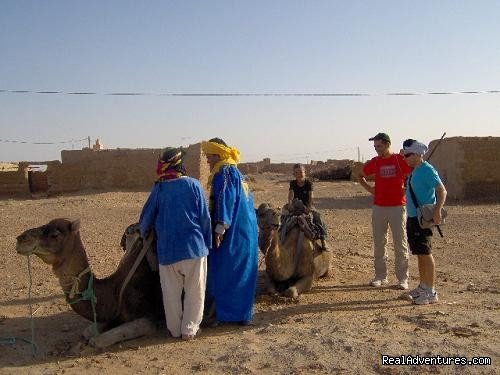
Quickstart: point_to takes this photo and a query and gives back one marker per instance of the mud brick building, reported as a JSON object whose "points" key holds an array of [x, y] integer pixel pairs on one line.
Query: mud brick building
{"points": [[88, 169]]}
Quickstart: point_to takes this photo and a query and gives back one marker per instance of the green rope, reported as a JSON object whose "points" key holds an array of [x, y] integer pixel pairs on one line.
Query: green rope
{"points": [[7, 340], [33, 345], [88, 295], [12, 340]]}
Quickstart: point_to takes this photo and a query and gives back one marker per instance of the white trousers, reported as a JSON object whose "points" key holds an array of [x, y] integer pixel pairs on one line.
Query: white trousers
{"points": [[184, 316], [382, 218]]}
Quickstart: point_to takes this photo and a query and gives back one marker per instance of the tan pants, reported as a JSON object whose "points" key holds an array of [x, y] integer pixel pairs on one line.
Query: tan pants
{"points": [[189, 275], [382, 218]]}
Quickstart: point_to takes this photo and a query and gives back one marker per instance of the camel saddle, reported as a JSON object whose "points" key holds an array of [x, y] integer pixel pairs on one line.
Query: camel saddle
{"points": [[296, 215]]}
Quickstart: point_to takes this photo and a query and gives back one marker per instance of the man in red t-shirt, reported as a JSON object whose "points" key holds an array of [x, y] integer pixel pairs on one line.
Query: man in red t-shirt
{"points": [[390, 171]]}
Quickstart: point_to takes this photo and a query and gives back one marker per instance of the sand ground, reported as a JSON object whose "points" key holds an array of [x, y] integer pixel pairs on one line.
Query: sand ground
{"points": [[341, 326]]}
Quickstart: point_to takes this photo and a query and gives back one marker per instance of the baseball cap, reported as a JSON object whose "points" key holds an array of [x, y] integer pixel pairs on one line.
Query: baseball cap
{"points": [[415, 147], [381, 137]]}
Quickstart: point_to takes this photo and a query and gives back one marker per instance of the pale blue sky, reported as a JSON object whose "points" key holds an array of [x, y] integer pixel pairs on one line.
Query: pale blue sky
{"points": [[265, 47]]}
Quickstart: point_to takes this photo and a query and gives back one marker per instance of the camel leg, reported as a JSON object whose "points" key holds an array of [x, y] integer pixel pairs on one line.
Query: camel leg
{"points": [[125, 331], [302, 285], [322, 264], [270, 286], [90, 331]]}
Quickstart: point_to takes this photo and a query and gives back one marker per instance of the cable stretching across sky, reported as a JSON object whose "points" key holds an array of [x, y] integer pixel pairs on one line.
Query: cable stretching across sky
{"points": [[215, 94]]}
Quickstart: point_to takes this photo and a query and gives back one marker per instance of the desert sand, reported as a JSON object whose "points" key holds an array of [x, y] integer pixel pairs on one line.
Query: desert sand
{"points": [[341, 326]]}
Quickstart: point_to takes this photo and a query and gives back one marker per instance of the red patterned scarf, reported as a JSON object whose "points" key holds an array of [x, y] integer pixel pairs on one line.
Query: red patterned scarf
{"points": [[170, 169]]}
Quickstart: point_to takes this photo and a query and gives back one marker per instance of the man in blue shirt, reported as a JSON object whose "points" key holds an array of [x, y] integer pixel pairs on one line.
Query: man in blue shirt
{"points": [[177, 210], [428, 189]]}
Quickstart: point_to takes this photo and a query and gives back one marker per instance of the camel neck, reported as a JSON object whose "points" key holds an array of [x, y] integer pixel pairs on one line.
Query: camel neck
{"points": [[73, 268]]}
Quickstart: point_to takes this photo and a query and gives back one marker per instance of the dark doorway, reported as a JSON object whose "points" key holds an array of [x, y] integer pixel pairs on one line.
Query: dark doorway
{"points": [[37, 180]]}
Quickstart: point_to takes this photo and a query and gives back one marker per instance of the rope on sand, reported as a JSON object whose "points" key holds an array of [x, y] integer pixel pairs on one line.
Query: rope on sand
{"points": [[12, 340]]}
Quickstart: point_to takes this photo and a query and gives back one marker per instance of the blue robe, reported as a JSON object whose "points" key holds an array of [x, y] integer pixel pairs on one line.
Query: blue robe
{"points": [[232, 267]]}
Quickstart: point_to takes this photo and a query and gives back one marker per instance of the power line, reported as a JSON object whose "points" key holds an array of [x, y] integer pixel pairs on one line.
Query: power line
{"points": [[43, 143], [295, 156], [326, 151], [256, 94]]}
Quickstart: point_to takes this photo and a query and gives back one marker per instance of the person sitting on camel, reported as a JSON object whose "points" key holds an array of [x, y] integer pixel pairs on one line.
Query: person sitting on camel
{"points": [[302, 189]]}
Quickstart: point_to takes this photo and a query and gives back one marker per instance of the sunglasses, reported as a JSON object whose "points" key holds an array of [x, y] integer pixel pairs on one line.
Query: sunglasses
{"points": [[409, 154]]}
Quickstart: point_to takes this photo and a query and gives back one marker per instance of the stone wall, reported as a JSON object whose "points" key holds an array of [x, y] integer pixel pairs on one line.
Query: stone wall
{"points": [[105, 170], [332, 169], [468, 166], [116, 169], [329, 170], [14, 183]]}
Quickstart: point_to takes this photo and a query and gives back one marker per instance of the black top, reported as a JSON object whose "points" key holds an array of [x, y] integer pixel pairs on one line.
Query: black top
{"points": [[301, 192]]}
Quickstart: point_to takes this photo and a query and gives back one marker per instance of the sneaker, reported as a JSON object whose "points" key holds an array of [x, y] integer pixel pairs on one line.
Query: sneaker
{"points": [[379, 282], [403, 285], [426, 298], [413, 294]]}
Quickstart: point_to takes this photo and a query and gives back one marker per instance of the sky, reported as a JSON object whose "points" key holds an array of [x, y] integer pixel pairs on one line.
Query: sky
{"points": [[275, 50]]}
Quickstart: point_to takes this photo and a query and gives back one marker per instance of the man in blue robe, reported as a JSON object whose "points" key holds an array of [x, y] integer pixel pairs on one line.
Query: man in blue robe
{"points": [[232, 262]]}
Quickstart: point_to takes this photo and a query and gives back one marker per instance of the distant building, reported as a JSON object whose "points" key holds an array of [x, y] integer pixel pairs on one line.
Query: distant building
{"points": [[98, 146]]}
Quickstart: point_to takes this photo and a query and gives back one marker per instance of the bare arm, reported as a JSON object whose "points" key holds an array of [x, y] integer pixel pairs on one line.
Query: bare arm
{"points": [[311, 198], [362, 181], [440, 199], [290, 196]]}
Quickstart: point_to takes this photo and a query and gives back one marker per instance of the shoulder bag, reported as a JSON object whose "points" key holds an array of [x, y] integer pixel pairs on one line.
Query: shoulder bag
{"points": [[425, 212]]}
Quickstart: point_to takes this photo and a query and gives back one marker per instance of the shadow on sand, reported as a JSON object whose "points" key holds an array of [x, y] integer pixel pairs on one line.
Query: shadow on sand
{"points": [[34, 300], [358, 202], [58, 336]]}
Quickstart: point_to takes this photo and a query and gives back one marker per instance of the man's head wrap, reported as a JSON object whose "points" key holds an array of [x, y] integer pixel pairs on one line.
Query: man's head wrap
{"points": [[228, 156], [216, 146], [170, 165]]}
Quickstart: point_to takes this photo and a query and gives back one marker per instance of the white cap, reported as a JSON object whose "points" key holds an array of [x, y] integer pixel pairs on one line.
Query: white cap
{"points": [[416, 148]]}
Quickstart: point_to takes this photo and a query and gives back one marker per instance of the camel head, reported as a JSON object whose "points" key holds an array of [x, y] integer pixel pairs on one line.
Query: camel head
{"points": [[268, 217], [132, 241], [50, 240], [268, 220], [130, 237]]}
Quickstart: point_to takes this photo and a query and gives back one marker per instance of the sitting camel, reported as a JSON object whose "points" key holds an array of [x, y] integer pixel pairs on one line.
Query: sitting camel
{"points": [[121, 312], [294, 261]]}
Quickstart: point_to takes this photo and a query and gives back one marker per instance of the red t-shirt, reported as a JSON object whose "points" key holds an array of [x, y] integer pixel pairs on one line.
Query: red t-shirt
{"points": [[390, 174]]}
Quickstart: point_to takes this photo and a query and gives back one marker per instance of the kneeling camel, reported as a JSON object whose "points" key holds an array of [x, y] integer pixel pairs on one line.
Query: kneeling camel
{"points": [[294, 262], [125, 304]]}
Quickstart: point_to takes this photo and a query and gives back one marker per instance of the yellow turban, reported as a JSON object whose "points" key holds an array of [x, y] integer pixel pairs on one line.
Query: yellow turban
{"points": [[228, 156]]}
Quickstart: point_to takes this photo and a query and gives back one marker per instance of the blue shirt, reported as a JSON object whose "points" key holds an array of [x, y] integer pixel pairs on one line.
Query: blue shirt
{"points": [[178, 212], [424, 180]]}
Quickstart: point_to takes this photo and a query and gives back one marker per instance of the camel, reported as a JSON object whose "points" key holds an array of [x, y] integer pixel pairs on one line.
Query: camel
{"points": [[291, 264], [121, 314]]}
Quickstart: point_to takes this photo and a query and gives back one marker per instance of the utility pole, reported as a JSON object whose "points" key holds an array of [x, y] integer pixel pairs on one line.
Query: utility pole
{"points": [[359, 159], [89, 140]]}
